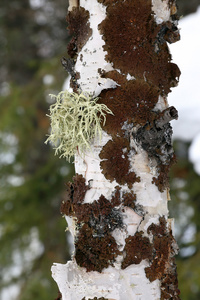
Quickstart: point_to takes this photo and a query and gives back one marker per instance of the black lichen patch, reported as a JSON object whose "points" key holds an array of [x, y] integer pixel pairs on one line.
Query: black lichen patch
{"points": [[133, 44], [168, 32], [79, 27], [115, 163], [136, 249], [130, 102], [106, 223], [95, 253], [68, 64], [103, 217], [156, 141], [156, 138], [162, 264]]}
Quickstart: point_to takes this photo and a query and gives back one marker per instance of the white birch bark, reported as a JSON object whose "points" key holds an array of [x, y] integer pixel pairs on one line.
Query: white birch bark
{"points": [[114, 283]]}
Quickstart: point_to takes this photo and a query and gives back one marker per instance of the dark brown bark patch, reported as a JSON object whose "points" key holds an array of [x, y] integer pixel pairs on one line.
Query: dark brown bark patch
{"points": [[101, 215], [134, 46], [75, 194], [95, 253], [115, 163], [73, 82], [136, 249], [162, 180], [169, 283], [160, 254], [129, 200], [95, 248], [116, 198], [79, 27], [162, 264], [130, 102], [107, 2]]}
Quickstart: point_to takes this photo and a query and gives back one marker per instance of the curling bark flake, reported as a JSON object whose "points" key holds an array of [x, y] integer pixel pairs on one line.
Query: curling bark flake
{"points": [[116, 208]]}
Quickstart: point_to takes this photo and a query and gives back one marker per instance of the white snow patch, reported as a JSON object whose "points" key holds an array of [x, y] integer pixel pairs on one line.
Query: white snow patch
{"points": [[48, 79], [194, 153], [11, 293], [186, 97]]}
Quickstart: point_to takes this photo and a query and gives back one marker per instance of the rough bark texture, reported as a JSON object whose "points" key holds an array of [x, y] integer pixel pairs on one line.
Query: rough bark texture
{"points": [[116, 207]]}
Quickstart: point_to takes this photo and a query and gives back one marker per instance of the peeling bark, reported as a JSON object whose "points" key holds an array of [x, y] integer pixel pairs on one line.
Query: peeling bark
{"points": [[73, 3], [116, 207]]}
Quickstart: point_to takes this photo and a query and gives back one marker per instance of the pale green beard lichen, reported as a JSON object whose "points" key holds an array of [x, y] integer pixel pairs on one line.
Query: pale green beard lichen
{"points": [[75, 121]]}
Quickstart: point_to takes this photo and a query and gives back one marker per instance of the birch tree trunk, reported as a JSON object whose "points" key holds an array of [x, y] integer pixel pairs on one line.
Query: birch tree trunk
{"points": [[116, 208]]}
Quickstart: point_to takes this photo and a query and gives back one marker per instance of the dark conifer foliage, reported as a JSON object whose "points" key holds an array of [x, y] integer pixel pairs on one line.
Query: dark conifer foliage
{"points": [[33, 38]]}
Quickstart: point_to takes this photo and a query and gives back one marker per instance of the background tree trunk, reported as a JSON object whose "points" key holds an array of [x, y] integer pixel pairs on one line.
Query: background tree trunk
{"points": [[116, 208]]}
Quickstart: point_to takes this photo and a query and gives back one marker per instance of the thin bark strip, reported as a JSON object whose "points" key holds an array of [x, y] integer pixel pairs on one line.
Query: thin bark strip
{"points": [[73, 3], [116, 207]]}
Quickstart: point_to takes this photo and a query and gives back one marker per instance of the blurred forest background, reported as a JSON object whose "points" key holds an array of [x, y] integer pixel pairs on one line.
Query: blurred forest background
{"points": [[33, 39]]}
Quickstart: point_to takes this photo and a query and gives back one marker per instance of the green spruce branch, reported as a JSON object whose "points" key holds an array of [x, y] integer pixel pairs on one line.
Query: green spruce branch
{"points": [[75, 120]]}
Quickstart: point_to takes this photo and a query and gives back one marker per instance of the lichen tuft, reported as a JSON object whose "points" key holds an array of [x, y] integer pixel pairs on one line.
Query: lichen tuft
{"points": [[75, 120]]}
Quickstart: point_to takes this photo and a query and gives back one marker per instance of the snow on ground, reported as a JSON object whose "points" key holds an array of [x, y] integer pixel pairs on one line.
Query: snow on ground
{"points": [[186, 97], [194, 153]]}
